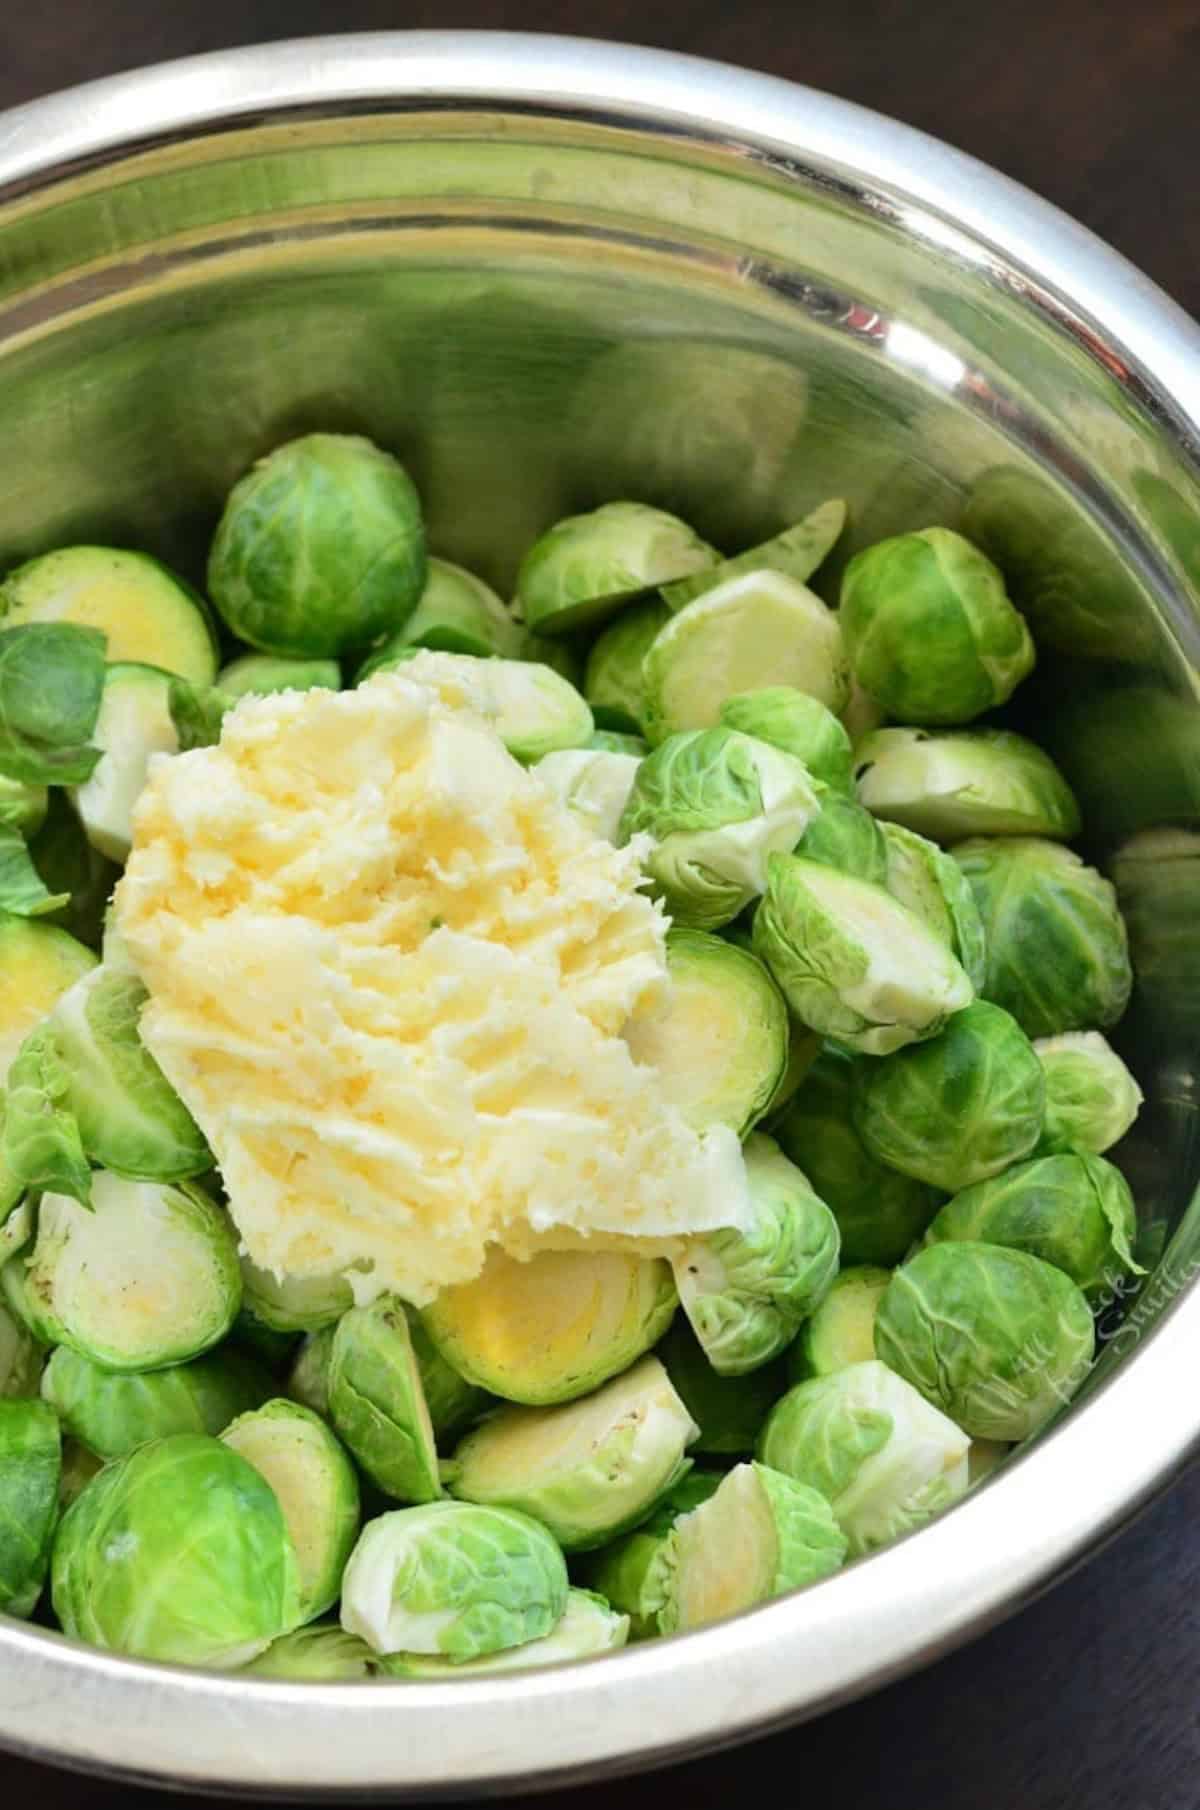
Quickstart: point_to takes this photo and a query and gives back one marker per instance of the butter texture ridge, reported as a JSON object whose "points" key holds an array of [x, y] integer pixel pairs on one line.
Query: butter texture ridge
{"points": [[389, 976]]}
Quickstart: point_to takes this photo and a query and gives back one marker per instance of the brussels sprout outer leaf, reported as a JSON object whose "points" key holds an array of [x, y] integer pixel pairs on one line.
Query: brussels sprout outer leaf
{"points": [[51, 683], [30, 1463]]}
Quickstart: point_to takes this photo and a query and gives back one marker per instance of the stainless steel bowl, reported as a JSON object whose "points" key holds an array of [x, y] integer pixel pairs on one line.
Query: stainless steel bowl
{"points": [[548, 272]]}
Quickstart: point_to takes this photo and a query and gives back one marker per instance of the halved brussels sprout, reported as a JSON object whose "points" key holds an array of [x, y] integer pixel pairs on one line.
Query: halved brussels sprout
{"points": [[377, 1401], [959, 1108], [930, 630], [844, 836], [30, 1468], [588, 1626], [112, 1411], [719, 1041], [453, 1578], [932, 885], [592, 783], [761, 1535], [1073, 1211], [729, 1410], [797, 552], [457, 614], [1091, 1097], [38, 963], [147, 1277], [613, 741], [294, 1303], [627, 1573], [452, 1401], [318, 1654], [760, 629], [587, 566], [978, 782], [39, 1139], [259, 675], [21, 1358], [716, 804], [320, 548], [587, 1469], [308, 1378], [317, 1489], [552, 1327], [532, 708], [853, 963], [995, 1338], [179, 1553], [135, 723], [746, 1293], [841, 1330], [613, 682], [146, 613], [800, 725], [885, 1460], [1057, 955]]}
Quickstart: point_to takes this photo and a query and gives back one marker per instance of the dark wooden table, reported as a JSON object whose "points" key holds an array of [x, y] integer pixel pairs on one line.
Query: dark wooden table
{"points": [[1089, 1698]]}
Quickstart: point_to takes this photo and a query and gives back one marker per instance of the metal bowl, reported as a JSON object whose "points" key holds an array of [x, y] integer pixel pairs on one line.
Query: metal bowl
{"points": [[548, 272]]}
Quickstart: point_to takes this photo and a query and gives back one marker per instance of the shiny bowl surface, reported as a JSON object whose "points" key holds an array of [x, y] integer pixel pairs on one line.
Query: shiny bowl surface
{"points": [[547, 272]]}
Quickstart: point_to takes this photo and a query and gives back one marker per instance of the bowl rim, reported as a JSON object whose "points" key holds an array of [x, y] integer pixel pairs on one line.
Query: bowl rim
{"points": [[81, 1707]]}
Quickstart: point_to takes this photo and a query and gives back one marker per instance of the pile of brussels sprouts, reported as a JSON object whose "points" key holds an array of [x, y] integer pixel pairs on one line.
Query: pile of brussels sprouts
{"points": [[892, 976]]}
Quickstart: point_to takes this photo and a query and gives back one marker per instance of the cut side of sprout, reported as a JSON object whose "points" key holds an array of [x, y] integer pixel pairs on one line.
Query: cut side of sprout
{"points": [[135, 723], [977, 782], [39, 963]]}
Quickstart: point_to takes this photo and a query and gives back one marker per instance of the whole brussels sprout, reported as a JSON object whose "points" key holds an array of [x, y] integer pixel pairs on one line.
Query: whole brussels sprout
{"points": [[995, 1338], [112, 1411], [959, 1108], [1073, 1211], [800, 725], [321, 548], [1091, 1097], [880, 1213], [1157, 878], [930, 630], [933, 886], [974, 782], [844, 836], [716, 803], [1057, 955]]}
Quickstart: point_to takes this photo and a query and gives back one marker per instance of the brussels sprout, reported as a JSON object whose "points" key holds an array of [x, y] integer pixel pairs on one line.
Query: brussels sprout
{"points": [[761, 629], [1057, 956], [23, 807], [317, 1489], [68, 864], [111, 1412], [38, 963], [23, 891], [628, 1573], [861, 715], [180, 1553], [1157, 879], [995, 1338], [453, 1578], [258, 675], [797, 552], [554, 1327], [959, 1108], [746, 1293], [532, 709], [613, 683], [294, 1303], [612, 741], [719, 1041], [934, 888], [318, 1654], [930, 630], [884, 1459], [853, 963], [79, 1466], [804, 1046], [308, 1378], [40, 1143], [716, 804], [585, 567], [594, 784], [130, 1118], [588, 1626], [800, 725], [844, 836], [841, 1331], [587, 1469], [377, 1402], [978, 782], [452, 1401], [21, 1358], [320, 548], [144, 611], [983, 1457], [457, 614], [729, 1410], [30, 1466], [1073, 1211], [1091, 1097], [148, 1277], [761, 1535], [135, 723]]}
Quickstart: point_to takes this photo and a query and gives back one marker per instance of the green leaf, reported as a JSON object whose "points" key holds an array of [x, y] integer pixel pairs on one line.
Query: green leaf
{"points": [[198, 712], [51, 680], [41, 1142], [21, 888]]}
